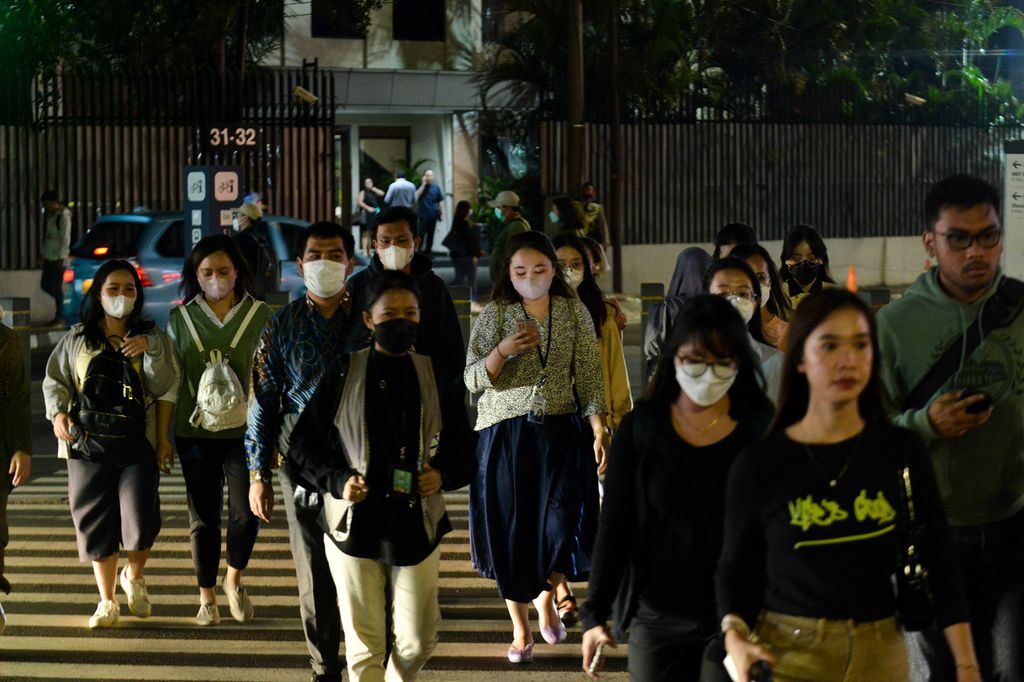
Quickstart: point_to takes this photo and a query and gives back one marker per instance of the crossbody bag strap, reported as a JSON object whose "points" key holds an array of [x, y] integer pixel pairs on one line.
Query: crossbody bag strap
{"points": [[1000, 310]]}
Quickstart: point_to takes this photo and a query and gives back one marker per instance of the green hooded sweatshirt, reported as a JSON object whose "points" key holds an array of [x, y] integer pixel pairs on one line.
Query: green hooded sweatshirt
{"points": [[980, 474]]}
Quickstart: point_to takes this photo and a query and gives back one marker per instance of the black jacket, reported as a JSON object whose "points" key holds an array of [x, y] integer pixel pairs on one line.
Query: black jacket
{"points": [[439, 336]]}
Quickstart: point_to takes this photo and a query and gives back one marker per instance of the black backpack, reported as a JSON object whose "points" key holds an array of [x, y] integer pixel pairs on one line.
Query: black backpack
{"points": [[110, 412]]}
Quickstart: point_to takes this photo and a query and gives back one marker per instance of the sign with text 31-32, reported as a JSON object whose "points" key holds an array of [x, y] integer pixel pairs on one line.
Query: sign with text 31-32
{"points": [[212, 193]]}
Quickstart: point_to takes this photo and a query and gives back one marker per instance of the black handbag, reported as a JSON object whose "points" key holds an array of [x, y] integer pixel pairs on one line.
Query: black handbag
{"points": [[915, 603]]}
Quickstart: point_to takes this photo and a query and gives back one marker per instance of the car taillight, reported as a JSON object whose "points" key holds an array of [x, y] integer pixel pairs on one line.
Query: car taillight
{"points": [[143, 275], [69, 275], [101, 251], [169, 277]]}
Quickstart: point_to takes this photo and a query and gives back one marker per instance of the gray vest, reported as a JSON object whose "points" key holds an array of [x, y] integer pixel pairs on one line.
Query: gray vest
{"points": [[350, 420]]}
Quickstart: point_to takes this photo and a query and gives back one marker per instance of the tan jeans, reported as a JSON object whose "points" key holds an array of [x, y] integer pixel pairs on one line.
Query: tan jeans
{"points": [[361, 600], [820, 650]]}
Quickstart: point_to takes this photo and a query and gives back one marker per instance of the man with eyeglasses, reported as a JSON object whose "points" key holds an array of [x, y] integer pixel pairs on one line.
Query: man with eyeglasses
{"points": [[953, 364]]}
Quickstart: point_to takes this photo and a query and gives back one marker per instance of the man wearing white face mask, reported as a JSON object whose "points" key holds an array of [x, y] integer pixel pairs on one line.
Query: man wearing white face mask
{"points": [[439, 335], [293, 355]]}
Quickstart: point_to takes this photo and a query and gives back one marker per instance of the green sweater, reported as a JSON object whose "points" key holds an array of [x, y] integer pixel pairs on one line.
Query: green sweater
{"points": [[980, 474], [16, 414], [193, 364], [500, 245]]}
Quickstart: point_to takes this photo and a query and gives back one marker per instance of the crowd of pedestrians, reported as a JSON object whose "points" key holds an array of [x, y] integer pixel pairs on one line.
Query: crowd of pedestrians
{"points": [[800, 490]]}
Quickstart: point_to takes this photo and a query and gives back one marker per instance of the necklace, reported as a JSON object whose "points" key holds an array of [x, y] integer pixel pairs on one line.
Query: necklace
{"points": [[701, 430], [833, 482]]}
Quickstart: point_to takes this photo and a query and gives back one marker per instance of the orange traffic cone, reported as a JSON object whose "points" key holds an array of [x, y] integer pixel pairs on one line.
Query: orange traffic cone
{"points": [[851, 279]]}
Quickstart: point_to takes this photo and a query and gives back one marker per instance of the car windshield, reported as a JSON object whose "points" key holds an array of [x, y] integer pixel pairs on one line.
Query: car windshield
{"points": [[111, 239]]}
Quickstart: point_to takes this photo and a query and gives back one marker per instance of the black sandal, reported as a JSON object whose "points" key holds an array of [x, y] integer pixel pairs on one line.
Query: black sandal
{"points": [[567, 610]]}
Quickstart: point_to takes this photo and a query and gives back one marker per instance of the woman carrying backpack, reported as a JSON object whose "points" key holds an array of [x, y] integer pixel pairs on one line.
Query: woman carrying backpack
{"points": [[215, 333], [110, 389]]}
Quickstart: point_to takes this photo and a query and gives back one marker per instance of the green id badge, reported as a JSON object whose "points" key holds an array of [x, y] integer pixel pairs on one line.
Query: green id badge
{"points": [[402, 482]]}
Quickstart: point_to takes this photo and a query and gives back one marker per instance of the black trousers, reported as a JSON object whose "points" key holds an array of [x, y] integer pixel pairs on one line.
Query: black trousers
{"points": [[664, 647], [206, 464], [427, 227], [318, 598], [52, 282], [465, 271]]}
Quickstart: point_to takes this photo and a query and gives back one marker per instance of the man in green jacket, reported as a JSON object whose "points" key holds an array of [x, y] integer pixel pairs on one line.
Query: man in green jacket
{"points": [[977, 450], [15, 434], [506, 208]]}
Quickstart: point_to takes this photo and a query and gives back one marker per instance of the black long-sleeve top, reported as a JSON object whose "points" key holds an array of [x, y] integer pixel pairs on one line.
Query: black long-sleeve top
{"points": [[390, 530], [796, 545], [661, 521]]}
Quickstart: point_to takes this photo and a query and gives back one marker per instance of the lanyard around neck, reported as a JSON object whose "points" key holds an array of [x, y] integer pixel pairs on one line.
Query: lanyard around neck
{"points": [[547, 352]]}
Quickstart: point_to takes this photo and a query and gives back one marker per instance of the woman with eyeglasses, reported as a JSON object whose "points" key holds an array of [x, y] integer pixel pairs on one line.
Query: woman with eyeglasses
{"points": [[815, 518], [733, 279], [660, 530], [776, 308], [804, 263]]}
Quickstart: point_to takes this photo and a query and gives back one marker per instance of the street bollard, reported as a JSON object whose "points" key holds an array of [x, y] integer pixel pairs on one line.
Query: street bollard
{"points": [[18, 317]]}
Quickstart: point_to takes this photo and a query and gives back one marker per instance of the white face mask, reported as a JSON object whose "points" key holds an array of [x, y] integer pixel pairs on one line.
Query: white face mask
{"points": [[395, 257], [574, 277], [533, 288], [117, 306], [744, 306], [766, 293], [324, 278], [705, 390], [216, 288]]}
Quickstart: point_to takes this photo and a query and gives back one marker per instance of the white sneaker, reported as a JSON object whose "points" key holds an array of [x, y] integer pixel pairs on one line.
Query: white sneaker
{"points": [[208, 615], [107, 613], [240, 604], [138, 597]]}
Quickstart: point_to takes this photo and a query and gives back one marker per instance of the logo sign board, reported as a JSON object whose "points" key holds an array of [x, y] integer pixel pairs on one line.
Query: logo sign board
{"points": [[212, 193], [1013, 208]]}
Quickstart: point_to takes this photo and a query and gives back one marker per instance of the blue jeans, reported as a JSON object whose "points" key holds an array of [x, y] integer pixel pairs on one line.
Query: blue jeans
{"points": [[991, 559]]}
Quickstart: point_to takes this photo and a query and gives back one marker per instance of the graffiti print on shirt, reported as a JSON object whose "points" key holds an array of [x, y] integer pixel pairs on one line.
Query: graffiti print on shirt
{"points": [[871, 517]]}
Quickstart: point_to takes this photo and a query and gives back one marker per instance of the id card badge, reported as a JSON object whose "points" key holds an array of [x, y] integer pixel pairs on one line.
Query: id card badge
{"points": [[537, 408], [403, 483]]}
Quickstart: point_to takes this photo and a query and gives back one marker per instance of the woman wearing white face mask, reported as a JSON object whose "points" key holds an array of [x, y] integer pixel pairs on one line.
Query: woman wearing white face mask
{"points": [[220, 321], [733, 279], [776, 308], [114, 363], [533, 503], [660, 530]]}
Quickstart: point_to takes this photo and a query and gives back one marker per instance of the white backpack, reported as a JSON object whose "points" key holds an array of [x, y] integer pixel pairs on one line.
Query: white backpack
{"points": [[220, 400]]}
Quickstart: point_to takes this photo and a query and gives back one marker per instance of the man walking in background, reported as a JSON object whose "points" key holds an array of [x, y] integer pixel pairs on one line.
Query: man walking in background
{"points": [[53, 251], [401, 192], [431, 210]]}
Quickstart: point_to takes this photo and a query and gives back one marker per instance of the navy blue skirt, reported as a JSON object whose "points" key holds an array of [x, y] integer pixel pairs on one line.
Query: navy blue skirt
{"points": [[534, 505]]}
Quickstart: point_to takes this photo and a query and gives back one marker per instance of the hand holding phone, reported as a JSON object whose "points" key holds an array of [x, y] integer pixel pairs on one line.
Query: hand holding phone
{"points": [[980, 405]]}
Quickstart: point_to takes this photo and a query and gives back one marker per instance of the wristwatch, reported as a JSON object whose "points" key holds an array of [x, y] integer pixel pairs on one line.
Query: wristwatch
{"points": [[264, 475]]}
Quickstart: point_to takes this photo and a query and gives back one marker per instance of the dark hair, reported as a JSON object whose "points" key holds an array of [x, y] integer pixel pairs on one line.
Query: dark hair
{"points": [[596, 250], [588, 183], [570, 217], [794, 392], [91, 313], [49, 195], [214, 243], [588, 291], [733, 233], [399, 173], [397, 214], [730, 263], [461, 214], [389, 280], [713, 324], [959, 191], [325, 229], [778, 304], [798, 235], [538, 241]]}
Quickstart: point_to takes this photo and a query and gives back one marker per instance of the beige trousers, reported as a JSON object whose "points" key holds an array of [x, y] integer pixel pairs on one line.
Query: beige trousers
{"points": [[361, 585], [820, 650]]}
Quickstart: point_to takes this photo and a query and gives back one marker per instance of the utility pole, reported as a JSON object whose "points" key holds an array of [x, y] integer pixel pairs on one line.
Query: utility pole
{"points": [[574, 66], [616, 213]]}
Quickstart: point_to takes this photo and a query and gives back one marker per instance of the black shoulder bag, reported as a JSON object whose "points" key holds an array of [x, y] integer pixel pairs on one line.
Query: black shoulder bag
{"points": [[1000, 310], [914, 600]]}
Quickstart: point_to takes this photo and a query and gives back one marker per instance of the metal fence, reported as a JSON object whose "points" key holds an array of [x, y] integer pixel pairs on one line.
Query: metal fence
{"points": [[683, 181], [109, 143]]}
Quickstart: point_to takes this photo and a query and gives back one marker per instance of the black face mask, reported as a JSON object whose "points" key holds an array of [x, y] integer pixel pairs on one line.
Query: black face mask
{"points": [[396, 336], [804, 272]]}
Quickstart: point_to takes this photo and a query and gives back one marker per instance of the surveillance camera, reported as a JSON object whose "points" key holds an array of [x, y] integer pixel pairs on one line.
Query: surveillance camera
{"points": [[305, 95]]}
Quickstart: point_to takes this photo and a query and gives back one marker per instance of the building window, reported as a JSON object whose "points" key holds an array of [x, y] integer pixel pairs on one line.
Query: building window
{"points": [[493, 18], [333, 19], [418, 20]]}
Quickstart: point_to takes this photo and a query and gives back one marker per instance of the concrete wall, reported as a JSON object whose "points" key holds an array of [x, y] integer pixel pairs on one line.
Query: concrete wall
{"points": [[459, 51], [25, 284]]}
